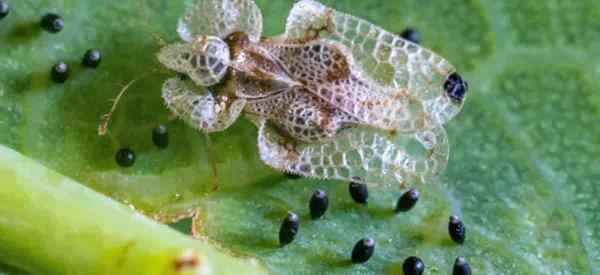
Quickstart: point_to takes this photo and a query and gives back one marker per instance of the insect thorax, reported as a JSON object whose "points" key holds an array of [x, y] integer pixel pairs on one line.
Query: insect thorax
{"points": [[282, 80]]}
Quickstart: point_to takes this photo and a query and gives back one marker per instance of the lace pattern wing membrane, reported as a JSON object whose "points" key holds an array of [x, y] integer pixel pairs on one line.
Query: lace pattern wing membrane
{"points": [[325, 70], [205, 60], [302, 116], [198, 107], [385, 58], [221, 18], [359, 155]]}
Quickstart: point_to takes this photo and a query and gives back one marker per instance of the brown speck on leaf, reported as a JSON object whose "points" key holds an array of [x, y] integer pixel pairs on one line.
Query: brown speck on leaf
{"points": [[188, 260]]}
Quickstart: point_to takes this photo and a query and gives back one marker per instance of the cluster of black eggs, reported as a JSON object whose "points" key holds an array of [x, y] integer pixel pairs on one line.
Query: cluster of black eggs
{"points": [[365, 248], [125, 157], [59, 73], [54, 23]]}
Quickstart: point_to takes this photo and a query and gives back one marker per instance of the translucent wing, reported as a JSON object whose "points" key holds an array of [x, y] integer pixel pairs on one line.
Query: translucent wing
{"points": [[301, 115], [204, 60], [359, 155], [198, 107], [326, 71], [387, 59], [221, 18]]}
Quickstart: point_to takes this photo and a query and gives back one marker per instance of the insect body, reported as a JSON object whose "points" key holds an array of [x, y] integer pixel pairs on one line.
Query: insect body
{"points": [[334, 97]]}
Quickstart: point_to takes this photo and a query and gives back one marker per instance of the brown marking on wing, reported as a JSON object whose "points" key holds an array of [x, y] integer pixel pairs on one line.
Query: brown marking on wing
{"points": [[236, 41], [340, 69], [264, 68]]}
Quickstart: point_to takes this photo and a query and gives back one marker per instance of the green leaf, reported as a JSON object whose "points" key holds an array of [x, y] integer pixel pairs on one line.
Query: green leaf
{"points": [[53, 225], [523, 171]]}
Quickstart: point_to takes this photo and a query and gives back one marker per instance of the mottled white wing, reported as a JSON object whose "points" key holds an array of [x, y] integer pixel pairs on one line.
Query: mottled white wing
{"points": [[383, 57], [198, 107], [204, 60], [360, 155], [221, 18]]}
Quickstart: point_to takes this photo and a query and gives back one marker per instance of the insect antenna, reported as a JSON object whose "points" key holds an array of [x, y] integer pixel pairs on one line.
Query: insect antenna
{"points": [[106, 118]]}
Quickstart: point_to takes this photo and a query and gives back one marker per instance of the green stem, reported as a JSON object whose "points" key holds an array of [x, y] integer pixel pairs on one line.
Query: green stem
{"points": [[50, 224]]}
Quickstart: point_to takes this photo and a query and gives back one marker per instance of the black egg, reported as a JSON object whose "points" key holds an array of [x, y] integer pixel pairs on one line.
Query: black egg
{"points": [[456, 87], [92, 58], [408, 200], [52, 23], [319, 202], [4, 9], [60, 72], [461, 267], [413, 266], [363, 250], [457, 230], [160, 136], [289, 229], [358, 191], [125, 157], [411, 35]]}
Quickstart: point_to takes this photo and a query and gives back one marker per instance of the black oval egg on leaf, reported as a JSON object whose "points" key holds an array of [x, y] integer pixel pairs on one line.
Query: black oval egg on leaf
{"points": [[359, 192], [289, 229], [92, 58], [52, 23], [413, 266], [408, 200], [4, 9], [411, 35], [60, 72], [125, 157], [461, 267], [456, 87], [160, 136], [363, 250], [319, 202], [457, 229]]}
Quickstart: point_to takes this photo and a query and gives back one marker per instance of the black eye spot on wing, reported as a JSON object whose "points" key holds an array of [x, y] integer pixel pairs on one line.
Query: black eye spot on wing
{"points": [[456, 87]]}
